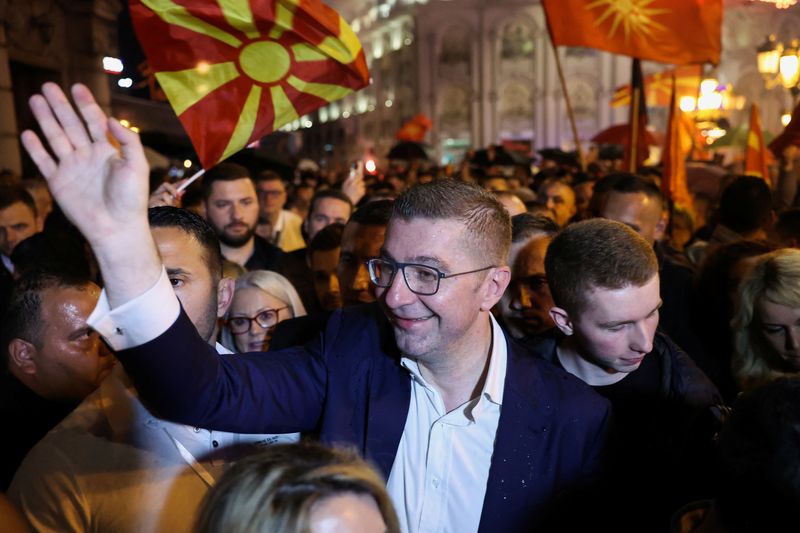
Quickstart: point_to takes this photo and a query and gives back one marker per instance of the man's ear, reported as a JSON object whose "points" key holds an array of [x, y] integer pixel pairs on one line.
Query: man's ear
{"points": [[562, 320], [39, 223], [661, 227], [496, 285], [225, 289], [22, 355]]}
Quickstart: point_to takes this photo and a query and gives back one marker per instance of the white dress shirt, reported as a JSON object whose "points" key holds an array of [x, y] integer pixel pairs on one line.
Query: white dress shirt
{"points": [[287, 233], [111, 465], [438, 479]]}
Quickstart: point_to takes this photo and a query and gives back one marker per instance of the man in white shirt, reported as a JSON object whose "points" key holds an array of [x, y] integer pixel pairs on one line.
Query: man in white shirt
{"points": [[276, 224], [112, 465], [430, 369]]}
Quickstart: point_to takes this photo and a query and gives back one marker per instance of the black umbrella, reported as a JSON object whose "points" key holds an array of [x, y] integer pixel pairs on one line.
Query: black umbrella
{"points": [[407, 151]]}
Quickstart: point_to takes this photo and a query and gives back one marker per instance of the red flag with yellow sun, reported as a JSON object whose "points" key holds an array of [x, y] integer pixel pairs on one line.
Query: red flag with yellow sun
{"points": [[236, 70], [672, 31]]}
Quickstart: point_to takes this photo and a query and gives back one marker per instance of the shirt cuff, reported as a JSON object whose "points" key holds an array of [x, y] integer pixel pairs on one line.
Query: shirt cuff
{"points": [[137, 321]]}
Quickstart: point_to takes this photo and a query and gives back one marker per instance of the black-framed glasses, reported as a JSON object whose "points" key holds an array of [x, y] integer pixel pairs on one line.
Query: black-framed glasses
{"points": [[266, 319], [420, 279]]}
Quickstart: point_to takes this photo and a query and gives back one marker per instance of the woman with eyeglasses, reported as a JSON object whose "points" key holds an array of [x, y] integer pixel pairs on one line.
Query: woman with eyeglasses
{"points": [[261, 299]]}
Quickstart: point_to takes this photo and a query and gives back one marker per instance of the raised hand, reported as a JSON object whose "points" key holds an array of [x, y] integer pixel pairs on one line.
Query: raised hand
{"points": [[101, 189], [354, 186], [166, 194]]}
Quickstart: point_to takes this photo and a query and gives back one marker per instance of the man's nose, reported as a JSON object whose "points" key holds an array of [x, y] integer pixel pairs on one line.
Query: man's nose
{"points": [[361, 280], [333, 284], [521, 299], [792, 338], [642, 338], [398, 294]]}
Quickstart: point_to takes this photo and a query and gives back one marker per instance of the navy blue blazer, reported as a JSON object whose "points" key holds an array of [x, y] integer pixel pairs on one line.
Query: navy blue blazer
{"points": [[349, 386]]}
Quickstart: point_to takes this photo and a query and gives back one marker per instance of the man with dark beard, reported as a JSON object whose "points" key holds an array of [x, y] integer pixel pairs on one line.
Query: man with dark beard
{"points": [[232, 210]]}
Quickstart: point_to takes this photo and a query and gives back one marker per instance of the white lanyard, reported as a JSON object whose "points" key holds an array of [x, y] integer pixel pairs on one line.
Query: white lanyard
{"points": [[199, 469]]}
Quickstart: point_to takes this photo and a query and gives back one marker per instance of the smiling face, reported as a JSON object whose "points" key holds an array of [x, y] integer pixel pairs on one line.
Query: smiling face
{"points": [[616, 328], [780, 329], [456, 317], [249, 302]]}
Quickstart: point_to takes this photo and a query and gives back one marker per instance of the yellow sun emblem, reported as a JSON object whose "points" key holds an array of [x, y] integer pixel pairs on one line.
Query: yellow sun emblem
{"points": [[633, 15]]}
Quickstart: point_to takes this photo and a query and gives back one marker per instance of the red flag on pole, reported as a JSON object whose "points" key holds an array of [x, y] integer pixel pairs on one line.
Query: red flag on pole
{"points": [[637, 150], [236, 70], [674, 183], [671, 31], [755, 159]]}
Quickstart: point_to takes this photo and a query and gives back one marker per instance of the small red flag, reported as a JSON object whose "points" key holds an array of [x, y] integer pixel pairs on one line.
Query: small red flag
{"points": [[680, 32], [236, 70], [637, 150], [414, 130], [674, 183], [755, 159]]}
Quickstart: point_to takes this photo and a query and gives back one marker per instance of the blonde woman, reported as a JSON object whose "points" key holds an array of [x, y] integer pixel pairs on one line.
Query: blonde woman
{"points": [[299, 488], [261, 300], [766, 325]]}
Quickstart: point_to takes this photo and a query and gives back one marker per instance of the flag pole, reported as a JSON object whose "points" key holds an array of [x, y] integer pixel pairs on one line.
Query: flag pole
{"points": [[570, 114], [191, 180], [634, 132]]}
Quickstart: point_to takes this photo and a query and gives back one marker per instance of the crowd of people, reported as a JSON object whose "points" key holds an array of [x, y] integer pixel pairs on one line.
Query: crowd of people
{"points": [[471, 348]]}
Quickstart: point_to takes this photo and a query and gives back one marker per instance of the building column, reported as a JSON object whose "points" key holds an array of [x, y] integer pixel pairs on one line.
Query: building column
{"points": [[9, 143]]}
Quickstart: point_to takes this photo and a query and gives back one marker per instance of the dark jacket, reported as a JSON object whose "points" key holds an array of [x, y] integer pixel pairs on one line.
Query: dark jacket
{"points": [[265, 255], [349, 385]]}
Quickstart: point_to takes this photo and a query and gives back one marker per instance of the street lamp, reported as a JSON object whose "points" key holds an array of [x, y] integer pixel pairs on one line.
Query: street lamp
{"points": [[779, 63]]}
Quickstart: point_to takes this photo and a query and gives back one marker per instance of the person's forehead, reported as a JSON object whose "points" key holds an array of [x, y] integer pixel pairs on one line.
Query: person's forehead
{"points": [[362, 236], [559, 189], [777, 313], [332, 205], [233, 189], [68, 305], [271, 185], [631, 302], [178, 248], [439, 239], [255, 299], [530, 258], [18, 211], [325, 259], [629, 206]]}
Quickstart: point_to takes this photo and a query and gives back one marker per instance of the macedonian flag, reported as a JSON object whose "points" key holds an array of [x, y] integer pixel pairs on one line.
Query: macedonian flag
{"points": [[236, 70], [671, 31]]}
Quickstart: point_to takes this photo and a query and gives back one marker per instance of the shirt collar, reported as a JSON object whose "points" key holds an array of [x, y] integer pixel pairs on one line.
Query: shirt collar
{"points": [[495, 378], [7, 263]]}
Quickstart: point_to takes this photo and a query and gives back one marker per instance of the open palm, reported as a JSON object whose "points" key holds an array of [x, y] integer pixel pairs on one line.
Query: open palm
{"points": [[100, 187]]}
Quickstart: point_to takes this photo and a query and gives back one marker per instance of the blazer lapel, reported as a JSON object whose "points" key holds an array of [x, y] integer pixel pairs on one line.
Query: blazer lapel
{"points": [[521, 433]]}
